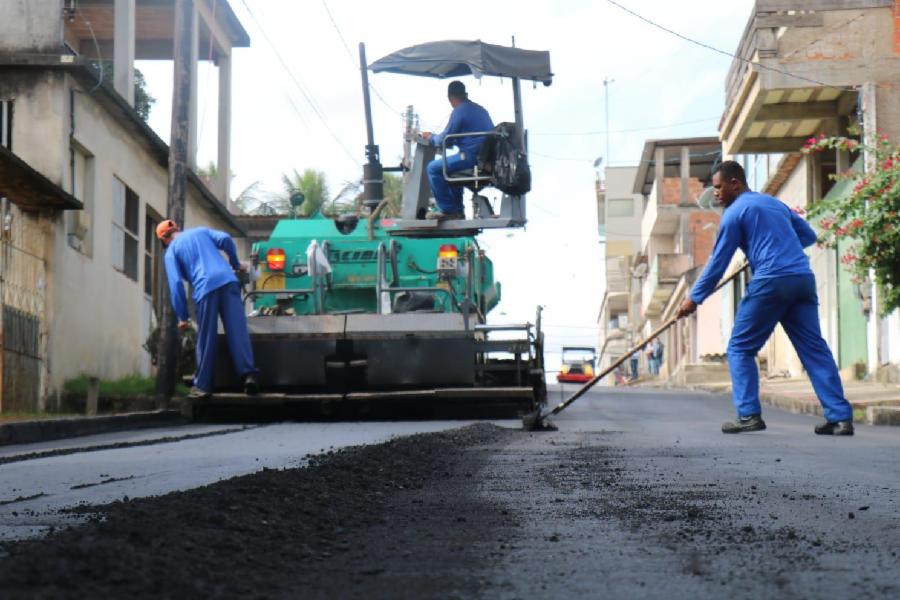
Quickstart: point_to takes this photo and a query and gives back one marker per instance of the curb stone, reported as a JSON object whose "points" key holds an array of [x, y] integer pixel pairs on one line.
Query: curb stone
{"points": [[25, 432]]}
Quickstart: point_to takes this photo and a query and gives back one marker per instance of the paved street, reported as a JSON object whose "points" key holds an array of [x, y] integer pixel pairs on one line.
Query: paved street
{"points": [[648, 499], [637, 495], [39, 480]]}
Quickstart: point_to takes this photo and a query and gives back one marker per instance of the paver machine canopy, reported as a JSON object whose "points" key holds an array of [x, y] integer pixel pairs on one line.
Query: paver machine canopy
{"points": [[450, 59]]}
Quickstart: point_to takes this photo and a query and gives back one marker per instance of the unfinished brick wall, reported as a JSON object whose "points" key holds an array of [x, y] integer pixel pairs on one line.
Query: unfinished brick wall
{"points": [[896, 26], [703, 240], [672, 190]]}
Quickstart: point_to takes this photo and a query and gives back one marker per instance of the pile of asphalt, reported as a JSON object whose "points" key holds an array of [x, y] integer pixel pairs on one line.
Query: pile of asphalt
{"points": [[368, 522]]}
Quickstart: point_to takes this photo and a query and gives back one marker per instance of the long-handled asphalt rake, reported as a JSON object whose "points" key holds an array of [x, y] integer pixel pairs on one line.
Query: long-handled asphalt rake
{"points": [[535, 420]]}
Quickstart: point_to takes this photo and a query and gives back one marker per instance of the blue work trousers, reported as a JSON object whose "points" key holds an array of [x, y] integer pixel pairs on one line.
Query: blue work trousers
{"points": [[449, 199], [791, 301], [224, 302]]}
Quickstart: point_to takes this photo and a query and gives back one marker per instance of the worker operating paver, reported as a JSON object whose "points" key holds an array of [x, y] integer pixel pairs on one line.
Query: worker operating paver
{"points": [[194, 255], [467, 116], [782, 290]]}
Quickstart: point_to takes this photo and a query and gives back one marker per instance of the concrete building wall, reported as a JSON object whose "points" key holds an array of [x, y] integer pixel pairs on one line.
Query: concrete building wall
{"points": [[40, 109], [97, 317], [31, 25], [709, 327], [778, 351], [623, 233]]}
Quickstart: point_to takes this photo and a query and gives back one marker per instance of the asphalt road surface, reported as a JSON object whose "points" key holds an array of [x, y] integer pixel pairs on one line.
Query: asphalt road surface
{"points": [[638, 495]]}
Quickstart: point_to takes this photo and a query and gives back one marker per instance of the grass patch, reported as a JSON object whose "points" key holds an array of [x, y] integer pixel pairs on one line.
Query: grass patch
{"points": [[130, 385], [8, 417]]}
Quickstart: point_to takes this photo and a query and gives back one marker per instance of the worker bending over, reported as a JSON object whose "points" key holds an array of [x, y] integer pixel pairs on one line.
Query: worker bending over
{"points": [[782, 290], [193, 255]]}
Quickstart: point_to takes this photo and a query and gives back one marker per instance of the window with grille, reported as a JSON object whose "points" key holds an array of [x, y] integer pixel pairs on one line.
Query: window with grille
{"points": [[125, 229], [79, 222]]}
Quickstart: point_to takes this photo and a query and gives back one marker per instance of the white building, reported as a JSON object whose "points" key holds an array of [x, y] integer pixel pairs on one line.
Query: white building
{"points": [[82, 265]]}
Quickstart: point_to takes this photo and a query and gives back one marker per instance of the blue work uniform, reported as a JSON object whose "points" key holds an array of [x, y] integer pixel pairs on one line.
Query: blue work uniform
{"points": [[466, 117], [194, 256], [783, 290]]}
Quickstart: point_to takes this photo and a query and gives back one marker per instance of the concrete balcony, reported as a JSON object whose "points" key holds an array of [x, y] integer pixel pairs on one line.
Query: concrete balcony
{"points": [[671, 175], [808, 55], [665, 271]]}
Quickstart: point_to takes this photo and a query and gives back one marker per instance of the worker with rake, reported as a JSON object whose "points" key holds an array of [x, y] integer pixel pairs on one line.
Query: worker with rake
{"points": [[782, 290]]}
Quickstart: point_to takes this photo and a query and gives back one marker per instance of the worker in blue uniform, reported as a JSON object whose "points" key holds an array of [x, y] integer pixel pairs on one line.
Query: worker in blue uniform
{"points": [[467, 116], [782, 290], [195, 255]]}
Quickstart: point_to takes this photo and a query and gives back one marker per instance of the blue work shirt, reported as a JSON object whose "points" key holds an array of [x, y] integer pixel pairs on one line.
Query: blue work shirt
{"points": [[194, 256], [770, 234], [467, 116]]}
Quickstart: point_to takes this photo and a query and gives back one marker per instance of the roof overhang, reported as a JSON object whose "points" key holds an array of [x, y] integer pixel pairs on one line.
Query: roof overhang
{"points": [[703, 152], [29, 189], [122, 112], [154, 20], [766, 120]]}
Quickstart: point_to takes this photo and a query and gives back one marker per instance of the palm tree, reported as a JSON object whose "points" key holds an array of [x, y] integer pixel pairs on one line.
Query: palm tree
{"points": [[393, 193], [311, 183]]}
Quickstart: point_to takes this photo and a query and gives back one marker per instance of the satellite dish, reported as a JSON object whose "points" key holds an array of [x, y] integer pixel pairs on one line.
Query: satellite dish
{"points": [[639, 270], [707, 200]]}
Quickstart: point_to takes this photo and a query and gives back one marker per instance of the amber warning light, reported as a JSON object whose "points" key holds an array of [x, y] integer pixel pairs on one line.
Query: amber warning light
{"points": [[448, 251], [275, 259]]}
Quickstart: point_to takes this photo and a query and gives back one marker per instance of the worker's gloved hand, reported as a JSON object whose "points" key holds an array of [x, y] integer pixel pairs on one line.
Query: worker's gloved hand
{"points": [[688, 307], [182, 325]]}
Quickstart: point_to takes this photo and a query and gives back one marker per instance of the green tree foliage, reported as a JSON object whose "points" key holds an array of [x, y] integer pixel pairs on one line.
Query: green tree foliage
{"points": [[143, 101], [867, 217]]}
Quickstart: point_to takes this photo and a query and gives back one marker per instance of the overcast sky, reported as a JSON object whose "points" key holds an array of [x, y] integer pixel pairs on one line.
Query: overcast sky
{"points": [[313, 117]]}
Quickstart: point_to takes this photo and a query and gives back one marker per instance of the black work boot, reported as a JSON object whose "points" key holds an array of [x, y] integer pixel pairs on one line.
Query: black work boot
{"points": [[251, 385], [836, 428], [751, 423]]}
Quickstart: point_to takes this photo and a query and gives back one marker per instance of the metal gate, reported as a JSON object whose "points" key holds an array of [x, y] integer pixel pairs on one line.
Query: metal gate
{"points": [[22, 283], [21, 361]]}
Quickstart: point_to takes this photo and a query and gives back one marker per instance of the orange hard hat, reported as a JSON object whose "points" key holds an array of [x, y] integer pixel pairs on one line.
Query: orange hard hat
{"points": [[165, 229]]}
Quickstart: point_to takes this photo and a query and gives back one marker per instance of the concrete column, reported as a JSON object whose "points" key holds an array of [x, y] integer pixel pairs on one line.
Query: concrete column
{"points": [[193, 113], [659, 173], [685, 174], [224, 137], [123, 49]]}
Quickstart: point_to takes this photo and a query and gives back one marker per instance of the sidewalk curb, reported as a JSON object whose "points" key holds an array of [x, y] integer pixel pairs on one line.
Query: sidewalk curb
{"points": [[885, 412], [25, 432]]}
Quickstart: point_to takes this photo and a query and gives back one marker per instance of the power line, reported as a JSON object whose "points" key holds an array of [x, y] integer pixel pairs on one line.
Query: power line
{"points": [[353, 60], [723, 52], [306, 95], [629, 130], [670, 161]]}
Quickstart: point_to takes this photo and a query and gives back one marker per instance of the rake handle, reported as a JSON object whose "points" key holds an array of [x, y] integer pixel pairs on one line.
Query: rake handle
{"points": [[640, 345]]}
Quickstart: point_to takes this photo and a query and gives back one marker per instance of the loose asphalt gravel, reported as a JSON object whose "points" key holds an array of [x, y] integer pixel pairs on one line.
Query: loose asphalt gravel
{"points": [[637, 495]]}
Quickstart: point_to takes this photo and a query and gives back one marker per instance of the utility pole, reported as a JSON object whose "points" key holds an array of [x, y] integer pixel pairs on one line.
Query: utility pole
{"points": [[606, 82], [178, 158]]}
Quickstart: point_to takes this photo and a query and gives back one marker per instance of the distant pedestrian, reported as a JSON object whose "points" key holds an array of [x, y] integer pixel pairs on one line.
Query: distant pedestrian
{"points": [[195, 255], [651, 361], [783, 290], [633, 363], [657, 349]]}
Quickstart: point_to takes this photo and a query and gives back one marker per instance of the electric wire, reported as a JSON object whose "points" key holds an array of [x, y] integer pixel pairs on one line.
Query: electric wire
{"points": [[354, 60], [306, 95], [96, 48], [724, 52], [628, 130]]}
